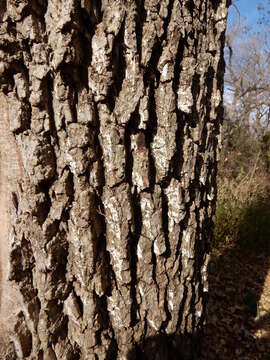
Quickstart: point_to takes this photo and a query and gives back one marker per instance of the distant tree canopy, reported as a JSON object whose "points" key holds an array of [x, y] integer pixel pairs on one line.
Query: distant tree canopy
{"points": [[247, 99], [264, 10]]}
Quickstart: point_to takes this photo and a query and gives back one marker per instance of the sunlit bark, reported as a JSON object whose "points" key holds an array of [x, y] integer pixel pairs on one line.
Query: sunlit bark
{"points": [[116, 108]]}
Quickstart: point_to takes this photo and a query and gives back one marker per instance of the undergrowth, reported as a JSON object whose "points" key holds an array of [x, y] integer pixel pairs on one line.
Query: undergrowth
{"points": [[243, 213]]}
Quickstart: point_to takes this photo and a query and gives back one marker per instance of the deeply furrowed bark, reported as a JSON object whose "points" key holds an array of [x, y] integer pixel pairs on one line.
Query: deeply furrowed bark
{"points": [[115, 107]]}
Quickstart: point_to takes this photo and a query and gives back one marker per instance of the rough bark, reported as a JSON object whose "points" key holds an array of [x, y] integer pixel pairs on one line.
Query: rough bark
{"points": [[10, 173], [116, 108]]}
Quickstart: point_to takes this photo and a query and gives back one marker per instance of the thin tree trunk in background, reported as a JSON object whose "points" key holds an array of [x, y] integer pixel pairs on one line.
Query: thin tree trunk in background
{"points": [[116, 109]]}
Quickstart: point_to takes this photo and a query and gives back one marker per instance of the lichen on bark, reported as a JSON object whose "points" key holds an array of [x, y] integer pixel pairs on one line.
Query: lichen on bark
{"points": [[116, 108]]}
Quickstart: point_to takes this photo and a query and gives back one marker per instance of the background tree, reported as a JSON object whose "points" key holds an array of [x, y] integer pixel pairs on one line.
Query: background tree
{"points": [[242, 216], [116, 109], [247, 84], [264, 10]]}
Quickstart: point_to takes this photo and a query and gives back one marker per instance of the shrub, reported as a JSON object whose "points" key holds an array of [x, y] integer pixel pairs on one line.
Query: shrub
{"points": [[243, 213]]}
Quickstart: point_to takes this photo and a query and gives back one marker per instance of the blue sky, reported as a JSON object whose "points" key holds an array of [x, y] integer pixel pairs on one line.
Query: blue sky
{"points": [[248, 9]]}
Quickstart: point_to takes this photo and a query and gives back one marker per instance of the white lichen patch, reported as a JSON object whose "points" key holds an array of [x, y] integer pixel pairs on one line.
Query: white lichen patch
{"points": [[171, 296], [143, 110], [119, 304], [175, 203], [185, 99], [147, 211], [113, 151], [139, 252], [99, 59], [139, 181], [163, 147], [112, 205], [221, 13], [72, 163], [132, 68], [108, 144], [141, 290], [153, 324], [188, 243], [117, 263], [115, 312], [159, 246], [165, 70], [118, 214], [76, 250], [27, 147], [205, 289], [216, 99], [140, 170]]}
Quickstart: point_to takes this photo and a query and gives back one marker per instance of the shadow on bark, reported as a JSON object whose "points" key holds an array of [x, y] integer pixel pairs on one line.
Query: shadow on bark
{"points": [[166, 347]]}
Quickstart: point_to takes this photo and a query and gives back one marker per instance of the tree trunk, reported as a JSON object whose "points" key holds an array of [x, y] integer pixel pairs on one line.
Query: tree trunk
{"points": [[116, 108]]}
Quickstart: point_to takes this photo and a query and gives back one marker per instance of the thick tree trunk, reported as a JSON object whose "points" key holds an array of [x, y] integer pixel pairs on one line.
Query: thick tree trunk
{"points": [[116, 108]]}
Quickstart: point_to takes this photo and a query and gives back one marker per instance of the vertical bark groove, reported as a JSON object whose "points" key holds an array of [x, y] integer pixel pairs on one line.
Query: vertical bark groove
{"points": [[115, 107]]}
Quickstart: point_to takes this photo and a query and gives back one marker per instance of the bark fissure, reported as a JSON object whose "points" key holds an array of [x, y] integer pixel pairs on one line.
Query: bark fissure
{"points": [[115, 107]]}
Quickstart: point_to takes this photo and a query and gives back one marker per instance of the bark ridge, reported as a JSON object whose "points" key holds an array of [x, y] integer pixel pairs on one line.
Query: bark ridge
{"points": [[116, 109]]}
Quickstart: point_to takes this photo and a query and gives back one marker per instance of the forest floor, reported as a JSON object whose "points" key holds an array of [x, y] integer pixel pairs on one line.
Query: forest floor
{"points": [[238, 318]]}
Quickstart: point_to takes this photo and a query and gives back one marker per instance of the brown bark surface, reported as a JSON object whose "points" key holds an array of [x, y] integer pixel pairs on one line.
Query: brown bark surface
{"points": [[115, 107], [10, 174]]}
